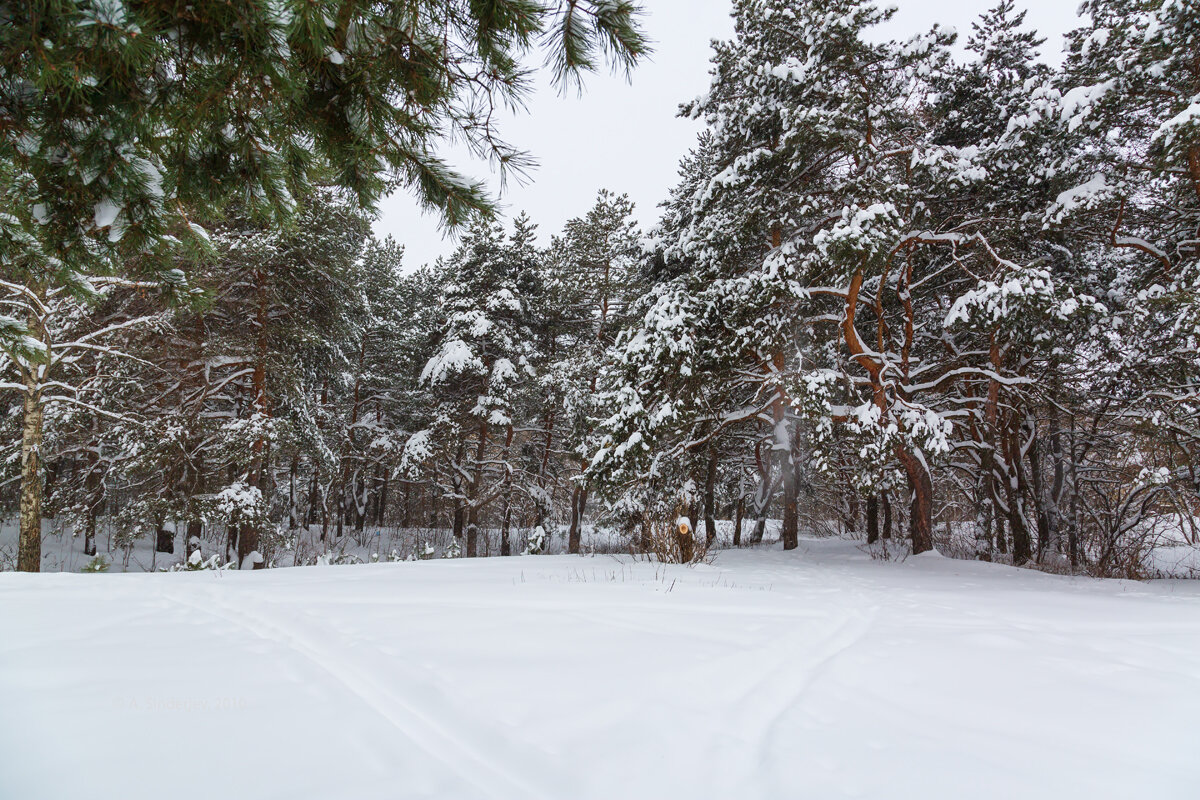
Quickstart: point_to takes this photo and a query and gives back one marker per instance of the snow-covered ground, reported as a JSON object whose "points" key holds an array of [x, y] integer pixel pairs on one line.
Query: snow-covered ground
{"points": [[814, 674], [62, 551], [1164, 553]]}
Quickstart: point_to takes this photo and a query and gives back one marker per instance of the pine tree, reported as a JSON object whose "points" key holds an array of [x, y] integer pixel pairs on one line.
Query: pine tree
{"points": [[127, 125], [812, 127], [592, 272], [482, 365]]}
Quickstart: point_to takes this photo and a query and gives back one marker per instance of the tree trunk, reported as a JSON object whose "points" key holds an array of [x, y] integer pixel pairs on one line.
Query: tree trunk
{"points": [[983, 523], [762, 496], [506, 524], [578, 506], [232, 537], [782, 442], [710, 483], [89, 533], [381, 501], [692, 512], [475, 493], [310, 515], [248, 539], [760, 527], [1014, 487], [459, 517], [790, 535], [164, 540], [1055, 497], [50, 486], [249, 532], [738, 512], [93, 498], [872, 519], [852, 506], [195, 534], [29, 548], [361, 503], [341, 510], [293, 509], [1073, 523], [544, 502], [472, 532], [1038, 488], [921, 510], [1193, 156], [886, 502], [647, 534], [987, 466], [506, 515]]}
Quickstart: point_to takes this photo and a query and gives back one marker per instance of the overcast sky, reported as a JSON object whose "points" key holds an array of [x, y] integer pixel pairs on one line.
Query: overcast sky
{"points": [[624, 136]]}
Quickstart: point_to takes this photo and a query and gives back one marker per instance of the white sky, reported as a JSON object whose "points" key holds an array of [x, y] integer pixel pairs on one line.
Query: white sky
{"points": [[625, 136]]}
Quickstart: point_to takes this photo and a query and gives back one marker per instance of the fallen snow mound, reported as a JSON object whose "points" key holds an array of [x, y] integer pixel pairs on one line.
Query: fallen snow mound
{"points": [[813, 674]]}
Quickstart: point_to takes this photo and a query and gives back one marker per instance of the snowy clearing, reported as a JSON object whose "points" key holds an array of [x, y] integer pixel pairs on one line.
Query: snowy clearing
{"points": [[819, 673]]}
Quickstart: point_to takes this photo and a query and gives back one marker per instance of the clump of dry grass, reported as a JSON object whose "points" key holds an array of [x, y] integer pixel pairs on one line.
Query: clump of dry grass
{"points": [[672, 541]]}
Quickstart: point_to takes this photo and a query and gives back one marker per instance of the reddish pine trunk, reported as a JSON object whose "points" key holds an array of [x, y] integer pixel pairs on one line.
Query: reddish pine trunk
{"points": [[921, 488]]}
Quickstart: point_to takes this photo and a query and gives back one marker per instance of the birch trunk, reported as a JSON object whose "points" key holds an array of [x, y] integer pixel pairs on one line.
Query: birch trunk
{"points": [[29, 552]]}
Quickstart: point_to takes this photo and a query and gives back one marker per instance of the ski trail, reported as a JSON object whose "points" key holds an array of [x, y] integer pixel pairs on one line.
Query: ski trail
{"points": [[425, 728], [796, 664], [610, 620]]}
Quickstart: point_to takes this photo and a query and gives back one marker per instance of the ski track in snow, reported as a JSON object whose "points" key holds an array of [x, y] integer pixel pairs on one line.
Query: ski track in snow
{"points": [[436, 728], [769, 675], [794, 666]]}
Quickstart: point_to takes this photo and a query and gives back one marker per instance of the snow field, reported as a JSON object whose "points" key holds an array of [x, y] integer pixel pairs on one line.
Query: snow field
{"points": [[814, 674]]}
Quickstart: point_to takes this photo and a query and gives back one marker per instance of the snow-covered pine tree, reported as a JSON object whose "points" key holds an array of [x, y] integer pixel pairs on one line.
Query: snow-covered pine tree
{"points": [[481, 365], [792, 242], [126, 123], [1127, 107], [223, 393], [591, 272], [374, 426], [985, 181]]}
